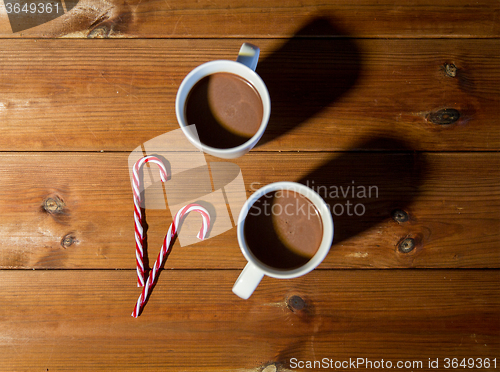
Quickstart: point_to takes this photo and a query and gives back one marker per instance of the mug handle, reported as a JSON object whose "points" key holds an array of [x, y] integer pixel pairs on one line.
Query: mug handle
{"points": [[248, 280], [249, 55]]}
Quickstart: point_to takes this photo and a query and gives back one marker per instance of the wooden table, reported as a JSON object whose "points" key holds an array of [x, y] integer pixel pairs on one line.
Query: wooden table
{"points": [[401, 96]]}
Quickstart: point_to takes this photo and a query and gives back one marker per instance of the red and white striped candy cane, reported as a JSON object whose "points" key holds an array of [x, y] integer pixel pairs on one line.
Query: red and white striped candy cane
{"points": [[139, 232], [165, 247]]}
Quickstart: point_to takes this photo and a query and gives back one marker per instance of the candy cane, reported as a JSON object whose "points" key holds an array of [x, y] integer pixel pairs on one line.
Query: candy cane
{"points": [[139, 237], [165, 247]]}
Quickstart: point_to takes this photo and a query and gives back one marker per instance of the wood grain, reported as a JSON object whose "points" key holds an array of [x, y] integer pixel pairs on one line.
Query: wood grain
{"points": [[268, 19], [80, 320], [452, 200], [74, 95], [396, 99]]}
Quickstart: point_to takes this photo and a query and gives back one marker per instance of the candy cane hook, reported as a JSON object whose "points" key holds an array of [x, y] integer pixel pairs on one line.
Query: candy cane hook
{"points": [[139, 232], [172, 231]]}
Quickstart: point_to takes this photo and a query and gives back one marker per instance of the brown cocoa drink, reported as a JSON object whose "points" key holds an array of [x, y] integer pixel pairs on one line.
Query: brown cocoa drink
{"points": [[226, 109], [283, 229]]}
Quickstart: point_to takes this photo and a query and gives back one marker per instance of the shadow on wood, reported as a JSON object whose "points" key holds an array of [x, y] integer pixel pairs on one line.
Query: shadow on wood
{"points": [[304, 78], [363, 191]]}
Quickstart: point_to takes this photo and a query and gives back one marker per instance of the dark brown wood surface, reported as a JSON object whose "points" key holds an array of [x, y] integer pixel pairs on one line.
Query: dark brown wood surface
{"points": [[267, 19], [449, 213], [401, 96], [193, 322], [112, 95]]}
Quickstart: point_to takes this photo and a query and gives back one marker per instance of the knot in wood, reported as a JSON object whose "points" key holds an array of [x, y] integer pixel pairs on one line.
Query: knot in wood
{"points": [[407, 245], [450, 69], [67, 241], [296, 303], [101, 31], [400, 215], [53, 205], [444, 116], [270, 368]]}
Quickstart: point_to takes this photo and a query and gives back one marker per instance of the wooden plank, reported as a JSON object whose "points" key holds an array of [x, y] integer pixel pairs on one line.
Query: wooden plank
{"points": [[80, 320], [61, 95], [222, 18], [452, 200]]}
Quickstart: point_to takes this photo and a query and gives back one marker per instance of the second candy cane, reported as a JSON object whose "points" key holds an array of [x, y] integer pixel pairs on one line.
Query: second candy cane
{"points": [[172, 231]]}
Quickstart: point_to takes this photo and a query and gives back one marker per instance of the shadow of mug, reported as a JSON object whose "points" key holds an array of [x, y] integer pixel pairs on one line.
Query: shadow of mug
{"points": [[307, 74], [363, 188]]}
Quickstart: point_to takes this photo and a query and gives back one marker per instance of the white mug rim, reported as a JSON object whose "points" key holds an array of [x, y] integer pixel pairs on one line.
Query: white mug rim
{"points": [[326, 240], [210, 68]]}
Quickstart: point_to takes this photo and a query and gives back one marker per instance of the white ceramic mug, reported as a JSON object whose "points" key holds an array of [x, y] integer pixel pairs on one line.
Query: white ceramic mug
{"points": [[245, 68], [255, 270]]}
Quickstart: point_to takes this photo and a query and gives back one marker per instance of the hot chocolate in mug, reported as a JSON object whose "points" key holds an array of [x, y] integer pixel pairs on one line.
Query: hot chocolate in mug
{"points": [[285, 230], [223, 106]]}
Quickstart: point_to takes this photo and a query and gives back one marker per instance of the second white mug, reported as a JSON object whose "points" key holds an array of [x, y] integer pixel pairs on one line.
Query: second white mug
{"points": [[255, 249]]}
